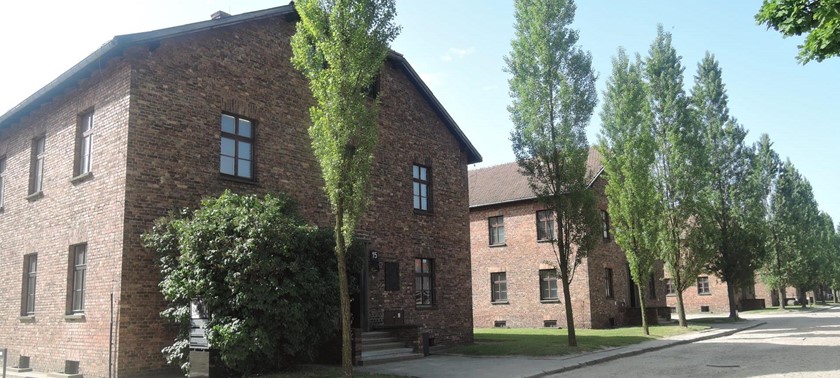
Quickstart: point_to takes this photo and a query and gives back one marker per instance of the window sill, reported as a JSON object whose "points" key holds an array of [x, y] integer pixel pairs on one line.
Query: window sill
{"points": [[81, 178], [545, 241], [550, 300], [241, 180], [704, 293], [27, 318], [74, 317], [498, 245], [499, 302], [35, 196]]}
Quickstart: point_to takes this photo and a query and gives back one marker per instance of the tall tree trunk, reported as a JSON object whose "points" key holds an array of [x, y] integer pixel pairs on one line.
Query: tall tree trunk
{"points": [[642, 305], [344, 293], [803, 298], [822, 294], [782, 297], [835, 297], [733, 306], [680, 307], [567, 297]]}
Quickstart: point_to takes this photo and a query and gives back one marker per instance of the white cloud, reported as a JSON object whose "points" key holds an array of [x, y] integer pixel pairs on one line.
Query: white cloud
{"points": [[457, 53]]}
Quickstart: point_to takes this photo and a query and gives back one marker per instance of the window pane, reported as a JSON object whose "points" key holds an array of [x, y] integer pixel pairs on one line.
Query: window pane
{"points": [[245, 128], [416, 172], [424, 205], [228, 124], [423, 174], [39, 146], [228, 147], [244, 150], [244, 168], [426, 263], [423, 191], [226, 165], [416, 189], [418, 266], [417, 202]]}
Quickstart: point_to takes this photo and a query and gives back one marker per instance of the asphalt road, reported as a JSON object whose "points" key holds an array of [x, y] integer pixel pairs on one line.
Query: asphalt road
{"points": [[789, 345]]}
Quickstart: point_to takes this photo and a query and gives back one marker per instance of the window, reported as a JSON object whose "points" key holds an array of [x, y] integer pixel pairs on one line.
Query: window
{"points": [[703, 285], [652, 287], [237, 142], [422, 182], [36, 172], [670, 287], [84, 144], [608, 282], [550, 323], [548, 285], [500, 324], [496, 226], [605, 224], [498, 287], [545, 225], [2, 179], [30, 272], [78, 266], [424, 281]]}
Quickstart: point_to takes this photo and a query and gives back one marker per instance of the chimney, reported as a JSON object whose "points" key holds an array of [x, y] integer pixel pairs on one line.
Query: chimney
{"points": [[219, 15]]}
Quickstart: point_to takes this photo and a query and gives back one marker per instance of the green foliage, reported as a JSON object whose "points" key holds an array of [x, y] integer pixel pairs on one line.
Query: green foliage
{"points": [[735, 192], [794, 214], [680, 167], [340, 46], [819, 19], [627, 151], [552, 86], [266, 278]]}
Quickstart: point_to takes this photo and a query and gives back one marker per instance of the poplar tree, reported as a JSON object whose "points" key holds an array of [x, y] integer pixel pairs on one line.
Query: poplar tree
{"points": [[627, 150], [794, 214], [734, 194], [679, 168], [340, 47], [552, 87]]}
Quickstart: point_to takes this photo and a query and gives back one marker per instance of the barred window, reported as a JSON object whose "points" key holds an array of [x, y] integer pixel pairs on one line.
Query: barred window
{"points": [[424, 281]]}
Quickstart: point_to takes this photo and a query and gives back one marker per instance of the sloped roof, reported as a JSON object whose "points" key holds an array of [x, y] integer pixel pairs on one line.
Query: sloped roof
{"points": [[504, 183], [118, 44]]}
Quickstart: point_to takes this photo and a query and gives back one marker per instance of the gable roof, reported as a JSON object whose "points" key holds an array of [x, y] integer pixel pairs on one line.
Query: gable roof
{"points": [[117, 45], [504, 183]]}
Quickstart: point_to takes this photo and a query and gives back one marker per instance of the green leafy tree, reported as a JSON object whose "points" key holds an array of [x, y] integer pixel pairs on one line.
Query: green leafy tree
{"points": [[627, 150], [261, 273], [553, 90], [819, 19], [734, 195], [679, 168], [340, 46], [794, 214], [825, 255]]}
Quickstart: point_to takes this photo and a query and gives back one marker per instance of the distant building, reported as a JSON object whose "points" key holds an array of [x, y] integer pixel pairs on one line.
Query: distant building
{"points": [[155, 121], [514, 283]]}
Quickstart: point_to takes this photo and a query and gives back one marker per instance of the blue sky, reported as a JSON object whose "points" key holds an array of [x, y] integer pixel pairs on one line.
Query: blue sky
{"points": [[458, 47]]}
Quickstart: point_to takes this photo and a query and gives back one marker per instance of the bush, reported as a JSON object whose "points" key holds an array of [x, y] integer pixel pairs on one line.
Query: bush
{"points": [[267, 279]]}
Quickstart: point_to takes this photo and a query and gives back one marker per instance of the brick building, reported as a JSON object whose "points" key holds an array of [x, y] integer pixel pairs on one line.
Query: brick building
{"points": [[709, 295], [155, 121], [514, 283]]}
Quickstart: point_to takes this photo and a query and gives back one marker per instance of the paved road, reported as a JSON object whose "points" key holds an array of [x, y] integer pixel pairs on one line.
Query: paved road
{"points": [[789, 345]]}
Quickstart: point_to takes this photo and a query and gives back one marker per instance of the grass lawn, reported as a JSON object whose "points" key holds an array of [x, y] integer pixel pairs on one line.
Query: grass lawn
{"points": [[552, 342], [320, 371]]}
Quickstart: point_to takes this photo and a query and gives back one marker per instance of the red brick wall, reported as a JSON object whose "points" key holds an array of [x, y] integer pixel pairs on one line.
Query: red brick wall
{"points": [[90, 211], [178, 94], [717, 299], [158, 150], [523, 256]]}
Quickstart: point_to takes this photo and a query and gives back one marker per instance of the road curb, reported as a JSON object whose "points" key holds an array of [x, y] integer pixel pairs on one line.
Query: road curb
{"points": [[632, 353]]}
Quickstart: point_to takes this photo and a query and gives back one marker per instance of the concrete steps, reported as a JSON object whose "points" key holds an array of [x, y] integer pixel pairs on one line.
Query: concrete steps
{"points": [[379, 347]]}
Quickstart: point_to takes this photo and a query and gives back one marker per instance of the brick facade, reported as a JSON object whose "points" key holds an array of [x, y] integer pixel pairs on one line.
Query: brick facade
{"points": [[522, 257], [716, 301], [157, 108]]}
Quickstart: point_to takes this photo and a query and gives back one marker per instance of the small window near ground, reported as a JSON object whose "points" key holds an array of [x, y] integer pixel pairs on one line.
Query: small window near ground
{"points": [[550, 323], [500, 324], [704, 308]]}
